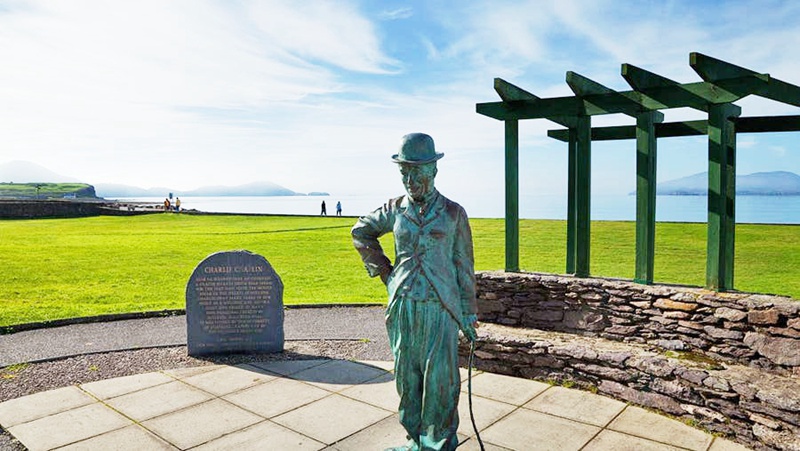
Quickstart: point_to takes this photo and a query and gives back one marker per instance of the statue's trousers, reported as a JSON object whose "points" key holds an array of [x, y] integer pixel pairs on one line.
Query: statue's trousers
{"points": [[424, 340]]}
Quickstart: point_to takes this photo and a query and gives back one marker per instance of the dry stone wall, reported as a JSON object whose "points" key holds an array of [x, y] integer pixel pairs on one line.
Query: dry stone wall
{"points": [[751, 329], [728, 362]]}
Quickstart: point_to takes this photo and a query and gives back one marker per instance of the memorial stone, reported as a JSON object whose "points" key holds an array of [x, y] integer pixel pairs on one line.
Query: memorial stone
{"points": [[234, 303]]}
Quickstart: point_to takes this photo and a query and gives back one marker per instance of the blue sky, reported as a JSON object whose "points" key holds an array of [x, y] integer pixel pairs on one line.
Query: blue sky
{"points": [[315, 95]]}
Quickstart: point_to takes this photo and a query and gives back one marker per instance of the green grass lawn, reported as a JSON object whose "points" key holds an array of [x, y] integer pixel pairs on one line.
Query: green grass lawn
{"points": [[59, 268]]}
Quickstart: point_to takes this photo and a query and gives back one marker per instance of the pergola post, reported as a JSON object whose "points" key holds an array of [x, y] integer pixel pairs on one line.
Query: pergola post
{"points": [[645, 196], [572, 212], [512, 194], [583, 176], [721, 195]]}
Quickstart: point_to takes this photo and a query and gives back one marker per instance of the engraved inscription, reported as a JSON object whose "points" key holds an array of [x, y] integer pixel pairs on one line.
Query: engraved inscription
{"points": [[234, 304]]}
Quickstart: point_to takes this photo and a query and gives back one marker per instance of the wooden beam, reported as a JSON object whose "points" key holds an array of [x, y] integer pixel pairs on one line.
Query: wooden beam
{"points": [[512, 195], [512, 94], [765, 124], [645, 197], [640, 79], [755, 124], [596, 95], [712, 70], [721, 73], [721, 196]]}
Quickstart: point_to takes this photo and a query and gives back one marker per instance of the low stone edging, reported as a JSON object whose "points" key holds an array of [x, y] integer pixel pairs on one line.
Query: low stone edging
{"points": [[728, 362], [753, 407]]}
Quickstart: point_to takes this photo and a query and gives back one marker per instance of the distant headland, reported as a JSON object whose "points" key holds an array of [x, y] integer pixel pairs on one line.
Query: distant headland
{"points": [[776, 183]]}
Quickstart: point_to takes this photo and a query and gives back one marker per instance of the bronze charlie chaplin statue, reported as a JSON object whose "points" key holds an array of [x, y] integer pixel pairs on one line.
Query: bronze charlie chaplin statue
{"points": [[431, 288]]}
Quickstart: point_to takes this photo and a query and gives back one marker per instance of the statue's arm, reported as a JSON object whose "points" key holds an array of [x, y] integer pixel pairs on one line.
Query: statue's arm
{"points": [[365, 239], [465, 267]]}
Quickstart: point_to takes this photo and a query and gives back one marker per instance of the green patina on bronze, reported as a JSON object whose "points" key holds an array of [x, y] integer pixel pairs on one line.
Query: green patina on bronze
{"points": [[431, 288], [723, 83]]}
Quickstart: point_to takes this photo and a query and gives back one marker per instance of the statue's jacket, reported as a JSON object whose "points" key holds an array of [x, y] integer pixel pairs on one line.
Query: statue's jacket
{"points": [[433, 252]]}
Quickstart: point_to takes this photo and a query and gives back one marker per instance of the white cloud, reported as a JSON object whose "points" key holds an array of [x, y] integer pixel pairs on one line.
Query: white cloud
{"points": [[397, 14]]}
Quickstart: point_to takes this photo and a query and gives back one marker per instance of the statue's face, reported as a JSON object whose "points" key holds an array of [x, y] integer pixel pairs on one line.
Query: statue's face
{"points": [[418, 179]]}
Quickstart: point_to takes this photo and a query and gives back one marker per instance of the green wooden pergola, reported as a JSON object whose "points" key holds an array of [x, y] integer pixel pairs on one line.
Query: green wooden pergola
{"points": [[722, 84]]}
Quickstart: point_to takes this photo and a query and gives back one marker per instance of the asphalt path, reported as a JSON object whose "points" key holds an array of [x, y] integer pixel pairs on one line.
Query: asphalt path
{"points": [[318, 323]]}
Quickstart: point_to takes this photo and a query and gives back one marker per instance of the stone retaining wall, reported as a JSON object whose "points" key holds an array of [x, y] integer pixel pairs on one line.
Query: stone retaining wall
{"points": [[728, 362], [751, 329], [29, 209]]}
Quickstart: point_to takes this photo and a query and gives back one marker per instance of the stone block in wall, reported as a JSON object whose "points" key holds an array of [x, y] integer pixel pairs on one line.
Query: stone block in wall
{"points": [[589, 320], [763, 317], [721, 333], [655, 365], [621, 330], [672, 345], [786, 332], [647, 399], [668, 304], [704, 412], [783, 351], [605, 372], [730, 314], [544, 315]]}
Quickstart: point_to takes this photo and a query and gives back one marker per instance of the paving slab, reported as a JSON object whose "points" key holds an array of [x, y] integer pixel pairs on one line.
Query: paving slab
{"points": [[577, 405], [380, 392], [68, 427], [261, 436], [229, 379], [111, 388], [336, 375], [617, 441], [512, 390], [526, 429], [472, 444], [159, 400], [201, 423], [721, 444], [288, 367], [642, 423], [381, 435], [276, 397], [39, 405], [487, 412], [130, 438], [332, 418]]}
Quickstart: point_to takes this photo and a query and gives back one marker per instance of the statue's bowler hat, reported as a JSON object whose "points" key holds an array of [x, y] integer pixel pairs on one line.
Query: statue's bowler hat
{"points": [[417, 148]]}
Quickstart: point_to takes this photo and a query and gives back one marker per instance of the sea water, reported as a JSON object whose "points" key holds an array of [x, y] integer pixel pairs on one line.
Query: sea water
{"points": [[749, 209]]}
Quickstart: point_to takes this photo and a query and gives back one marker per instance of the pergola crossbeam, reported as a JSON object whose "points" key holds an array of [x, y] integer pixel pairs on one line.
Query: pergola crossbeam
{"points": [[722, 72], [756, 124]]}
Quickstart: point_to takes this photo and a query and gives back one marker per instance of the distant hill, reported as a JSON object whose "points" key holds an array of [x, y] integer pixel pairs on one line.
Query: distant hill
{"points": [[27, 172], [18, 172], [776, 183], [47, 191], [250, 189]]}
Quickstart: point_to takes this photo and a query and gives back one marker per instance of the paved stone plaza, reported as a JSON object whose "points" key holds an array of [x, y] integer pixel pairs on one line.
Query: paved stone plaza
{"points": [[325, 404]]}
